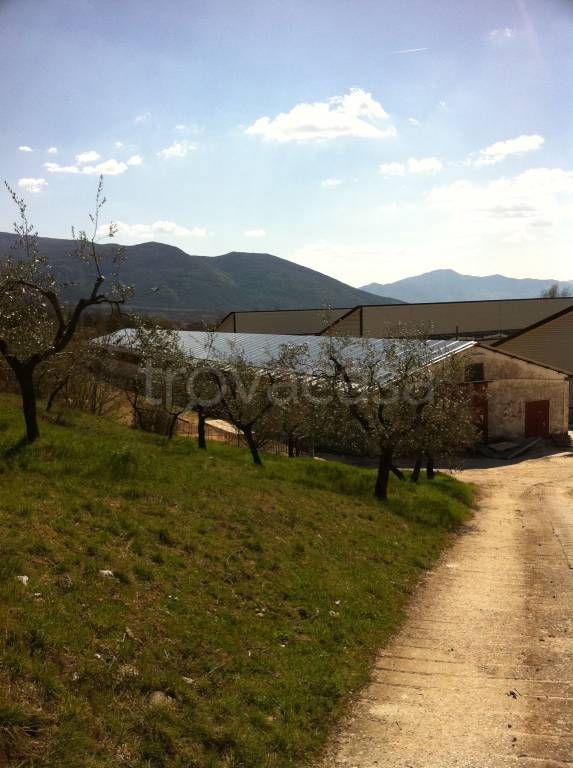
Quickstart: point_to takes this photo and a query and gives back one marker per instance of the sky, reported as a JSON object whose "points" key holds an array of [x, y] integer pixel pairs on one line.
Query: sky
{"points": [[369, 139]]}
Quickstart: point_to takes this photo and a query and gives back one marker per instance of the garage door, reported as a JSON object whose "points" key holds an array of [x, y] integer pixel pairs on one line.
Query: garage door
{"points": [[537, 418]]}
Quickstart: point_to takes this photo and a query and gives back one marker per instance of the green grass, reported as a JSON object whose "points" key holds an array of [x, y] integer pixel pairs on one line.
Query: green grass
{"points": [[254, 598]]}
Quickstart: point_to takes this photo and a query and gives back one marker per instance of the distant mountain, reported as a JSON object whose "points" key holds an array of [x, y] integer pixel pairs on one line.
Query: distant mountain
{"points": [[448, 285], [171, 282]]}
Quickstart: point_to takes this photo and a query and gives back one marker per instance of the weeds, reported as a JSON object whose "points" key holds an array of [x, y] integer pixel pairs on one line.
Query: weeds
{"points": [[254, 600]]}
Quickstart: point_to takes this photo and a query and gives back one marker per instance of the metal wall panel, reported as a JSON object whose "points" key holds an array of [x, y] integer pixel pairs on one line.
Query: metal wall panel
{"points": [[282, 321], [476, 319], [550, 343]]}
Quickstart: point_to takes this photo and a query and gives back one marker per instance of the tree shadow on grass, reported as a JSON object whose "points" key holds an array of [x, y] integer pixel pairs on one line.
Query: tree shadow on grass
{"points": [[12, 453]]}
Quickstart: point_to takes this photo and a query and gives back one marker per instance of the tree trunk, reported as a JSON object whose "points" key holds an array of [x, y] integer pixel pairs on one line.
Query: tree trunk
{"points": [[291, 447], [252, 446], [201, 441], [398, 472], [28, 391], [430, 473], [171, 424], [415, 476], [55, 392], [136, 418], [93, 399], [383, 476]]}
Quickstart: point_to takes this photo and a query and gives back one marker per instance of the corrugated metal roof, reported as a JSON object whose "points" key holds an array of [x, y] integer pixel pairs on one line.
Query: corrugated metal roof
{"points": [[259, 348]]}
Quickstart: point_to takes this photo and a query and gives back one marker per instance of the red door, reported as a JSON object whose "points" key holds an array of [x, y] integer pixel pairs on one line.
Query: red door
{"points": [[537, 418]]}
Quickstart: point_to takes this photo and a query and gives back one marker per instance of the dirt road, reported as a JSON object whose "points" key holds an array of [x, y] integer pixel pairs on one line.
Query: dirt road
{"points": [[481, 673]]}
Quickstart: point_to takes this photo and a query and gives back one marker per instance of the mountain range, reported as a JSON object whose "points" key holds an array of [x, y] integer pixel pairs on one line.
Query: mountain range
{"points": [[171, 282], [448, 285]]}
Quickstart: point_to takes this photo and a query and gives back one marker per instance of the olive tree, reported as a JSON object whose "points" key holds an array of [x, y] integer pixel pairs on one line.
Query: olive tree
{"points": [[374, 383], [204, 383], [165, 368], [296, 412], [244, 396], [36, 322], [162, 380], [443, 426]]}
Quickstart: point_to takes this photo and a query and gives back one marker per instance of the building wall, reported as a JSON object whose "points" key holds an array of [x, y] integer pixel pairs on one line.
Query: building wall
{"points": [[480, 319], [506, 406], [281, 321], [348, 325], [456, 318], [550, 343], [227, 324], [511, 383]]}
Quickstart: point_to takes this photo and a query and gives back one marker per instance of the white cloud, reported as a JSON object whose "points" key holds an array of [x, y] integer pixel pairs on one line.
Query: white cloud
{"points": [[521, 225], [425, 165], [57, 168], [52, 151], [161, 227], [413, 121], [255, 233], [413, 165], [169, 228], [88, 157], [118, 144], [503, 33], [497, 152], [134, 231], [143, 118], [538, 192], [32, 185], [392, 169], [177, 149], [328, 183], [25, 148], [407, 50], [190, 128], [107, 168], [534, 207], [355, 114], [135, 160]]}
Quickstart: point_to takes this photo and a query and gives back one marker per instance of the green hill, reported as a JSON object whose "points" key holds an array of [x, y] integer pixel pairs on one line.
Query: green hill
{"points": [[169, 281], [184, 608]]}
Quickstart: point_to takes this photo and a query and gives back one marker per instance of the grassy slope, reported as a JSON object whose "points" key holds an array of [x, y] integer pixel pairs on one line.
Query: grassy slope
{"points": [[269, 590]]}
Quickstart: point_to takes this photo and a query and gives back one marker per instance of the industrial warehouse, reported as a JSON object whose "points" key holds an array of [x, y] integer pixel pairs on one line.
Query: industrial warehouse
{"points": [[522, 393], [514, 398], [483, 320]]}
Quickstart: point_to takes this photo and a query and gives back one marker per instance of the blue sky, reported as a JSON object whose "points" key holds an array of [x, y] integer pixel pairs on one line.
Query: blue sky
{"points": [[369, 140]]}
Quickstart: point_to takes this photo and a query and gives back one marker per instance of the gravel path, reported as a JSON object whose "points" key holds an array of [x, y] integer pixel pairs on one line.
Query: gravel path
{"points": [[481, 673]]}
